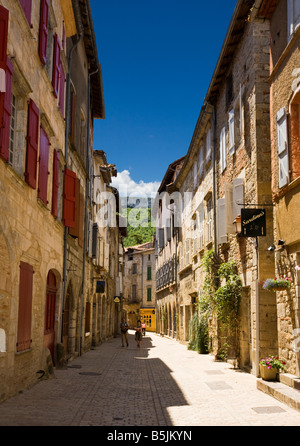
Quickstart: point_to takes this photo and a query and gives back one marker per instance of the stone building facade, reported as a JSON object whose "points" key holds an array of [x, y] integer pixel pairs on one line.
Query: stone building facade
{"points": [[139, 286], [235, 118], [50, 94], [284, 80]]}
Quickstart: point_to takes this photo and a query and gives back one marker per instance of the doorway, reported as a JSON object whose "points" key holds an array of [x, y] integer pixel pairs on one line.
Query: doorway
{"points": [[49, 330], [66, 322]]}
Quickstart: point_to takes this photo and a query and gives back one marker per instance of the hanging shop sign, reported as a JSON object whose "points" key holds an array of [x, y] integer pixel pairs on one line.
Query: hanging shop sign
{"points": [[117, 299], [253, 222]]}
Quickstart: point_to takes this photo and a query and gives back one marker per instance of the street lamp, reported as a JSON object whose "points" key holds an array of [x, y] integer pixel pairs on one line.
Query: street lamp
{"points": [[238, 224]]}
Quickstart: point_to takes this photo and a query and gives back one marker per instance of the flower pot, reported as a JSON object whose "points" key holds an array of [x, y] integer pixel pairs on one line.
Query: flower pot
{"points": [[280, 288], [267, 374]]}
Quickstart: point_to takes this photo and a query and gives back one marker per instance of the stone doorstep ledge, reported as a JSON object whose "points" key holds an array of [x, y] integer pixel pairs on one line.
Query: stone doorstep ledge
{"points": [[286, 391]]}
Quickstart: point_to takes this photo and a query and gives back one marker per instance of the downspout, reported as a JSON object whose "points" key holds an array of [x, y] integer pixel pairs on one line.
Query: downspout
{"points": [[67, 127], [86, 225], [214, 181]]}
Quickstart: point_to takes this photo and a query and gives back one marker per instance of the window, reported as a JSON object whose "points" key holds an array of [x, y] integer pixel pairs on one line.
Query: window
{"points": [[25, 307], [229, 90], [201, 161], [149, 294], [134, 268], [293, 13], [149, 273], [236, 123], [72, 113], [87, 317], [134, 292], [56, 66], [12, 135], [282, 147]]}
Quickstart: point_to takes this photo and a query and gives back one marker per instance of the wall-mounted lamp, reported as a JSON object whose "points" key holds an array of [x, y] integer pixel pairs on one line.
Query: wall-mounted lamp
{"points": [[272, 248], [281, 242], [238, 224]]}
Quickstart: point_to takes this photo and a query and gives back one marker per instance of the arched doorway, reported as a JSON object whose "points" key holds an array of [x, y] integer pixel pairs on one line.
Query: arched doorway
{"points": [[49, 330]]}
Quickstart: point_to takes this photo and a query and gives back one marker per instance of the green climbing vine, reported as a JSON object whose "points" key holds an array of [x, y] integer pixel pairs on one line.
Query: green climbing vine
{"points": [[221, 295]]}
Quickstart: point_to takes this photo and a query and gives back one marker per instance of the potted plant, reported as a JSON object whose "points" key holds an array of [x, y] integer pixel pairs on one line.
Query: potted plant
{"points": [[270, 366], [283, 283]]}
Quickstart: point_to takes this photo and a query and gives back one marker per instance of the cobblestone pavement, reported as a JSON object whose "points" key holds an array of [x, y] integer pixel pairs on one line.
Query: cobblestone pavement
{"points": [[160, 384]]}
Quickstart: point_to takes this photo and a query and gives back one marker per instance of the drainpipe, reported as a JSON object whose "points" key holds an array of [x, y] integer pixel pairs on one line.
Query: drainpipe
{"points": [[67, 127], [214, 181], [86, 223]]}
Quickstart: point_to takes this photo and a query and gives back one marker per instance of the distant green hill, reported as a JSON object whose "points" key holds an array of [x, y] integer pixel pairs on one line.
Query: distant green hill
{"points": [[139, 226]]}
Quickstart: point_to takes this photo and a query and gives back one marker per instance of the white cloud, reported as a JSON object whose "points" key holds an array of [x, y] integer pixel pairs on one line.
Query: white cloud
{"points": [[128, 187]]}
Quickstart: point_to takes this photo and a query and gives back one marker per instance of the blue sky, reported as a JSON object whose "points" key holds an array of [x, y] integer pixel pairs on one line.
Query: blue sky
{"points": [[157, 61]]}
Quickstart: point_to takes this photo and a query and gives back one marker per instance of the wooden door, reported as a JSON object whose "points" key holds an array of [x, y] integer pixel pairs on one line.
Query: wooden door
{"points": [[49, 332]]}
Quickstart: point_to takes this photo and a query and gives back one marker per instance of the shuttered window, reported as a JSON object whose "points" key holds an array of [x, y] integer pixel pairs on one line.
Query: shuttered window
{"points": [[25, 307], [5, 118], [70, 199], [55, 184], [43, 166], [221, 213], [27, 7], [44, 18], [56, 66], [231, 132], [32, 144], [94, 240], [282, 147]]}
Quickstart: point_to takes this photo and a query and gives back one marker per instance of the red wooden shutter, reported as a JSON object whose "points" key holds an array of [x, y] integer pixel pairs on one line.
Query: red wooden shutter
{"points": [[27, 7], [55, 184], [70, 199], [43, 30], [56, 66], [25, 307], [32, 144], [43, 167], [75, 230], [6, 114], [62, 90], [4, 15]]}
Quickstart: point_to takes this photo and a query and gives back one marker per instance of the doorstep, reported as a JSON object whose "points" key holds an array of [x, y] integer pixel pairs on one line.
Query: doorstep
{"points": [[286, 390]]}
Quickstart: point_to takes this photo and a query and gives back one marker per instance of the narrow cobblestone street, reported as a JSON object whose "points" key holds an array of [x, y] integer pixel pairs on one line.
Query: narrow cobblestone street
{"points": [[160, 384]]}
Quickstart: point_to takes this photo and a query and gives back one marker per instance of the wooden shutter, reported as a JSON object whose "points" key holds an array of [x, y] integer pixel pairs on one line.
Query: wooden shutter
{"points": [[43, 166], [32, 144], [70, 199], [282, 142], [25, 307], [44, 30], [55, 184], [208, 145], [4, 16], [231, 131], [56, 66], [6, 114], [62, 81], [238, 196], [222, 149], [221, 208], [74, 231], [27, 7]]}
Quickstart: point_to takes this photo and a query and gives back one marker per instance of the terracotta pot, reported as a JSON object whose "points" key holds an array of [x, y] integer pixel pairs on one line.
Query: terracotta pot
{"points": [[267, 374]]}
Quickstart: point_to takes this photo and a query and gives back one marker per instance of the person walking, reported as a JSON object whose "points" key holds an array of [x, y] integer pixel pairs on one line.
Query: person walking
{"points": [[124, 332], [138, 333]]}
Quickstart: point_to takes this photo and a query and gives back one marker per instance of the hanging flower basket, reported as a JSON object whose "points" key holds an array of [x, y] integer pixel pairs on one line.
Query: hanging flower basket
{"points": [[274, 285]]}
